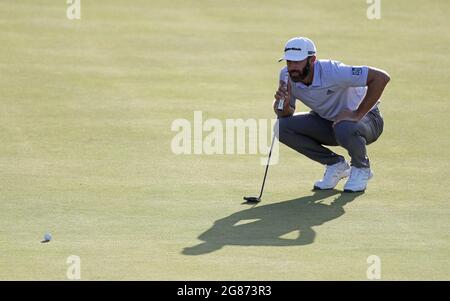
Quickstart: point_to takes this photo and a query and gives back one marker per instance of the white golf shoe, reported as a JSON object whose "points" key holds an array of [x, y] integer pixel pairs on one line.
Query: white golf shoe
{"points": [[358, 179], [333, 173]]}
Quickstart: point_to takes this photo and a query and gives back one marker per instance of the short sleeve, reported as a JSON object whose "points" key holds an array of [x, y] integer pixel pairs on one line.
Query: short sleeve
{"points": [[349, 76]]}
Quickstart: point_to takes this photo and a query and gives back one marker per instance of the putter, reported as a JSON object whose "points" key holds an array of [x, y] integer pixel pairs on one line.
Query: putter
{"points": [[254, 199]]}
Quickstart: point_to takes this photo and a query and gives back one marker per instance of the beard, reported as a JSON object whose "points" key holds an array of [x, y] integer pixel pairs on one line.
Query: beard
{"points": [[299, 75]]}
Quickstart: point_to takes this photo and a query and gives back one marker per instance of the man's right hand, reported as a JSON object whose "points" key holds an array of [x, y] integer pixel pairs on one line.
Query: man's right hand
{"points": [[284, 92]]}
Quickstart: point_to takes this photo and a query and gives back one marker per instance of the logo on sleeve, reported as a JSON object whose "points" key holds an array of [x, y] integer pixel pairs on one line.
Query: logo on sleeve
{"points": [[329, 92], [356, 71]]}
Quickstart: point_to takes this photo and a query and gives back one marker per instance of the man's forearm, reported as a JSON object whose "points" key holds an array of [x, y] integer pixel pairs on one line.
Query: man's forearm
{"points": [[374, 90]]}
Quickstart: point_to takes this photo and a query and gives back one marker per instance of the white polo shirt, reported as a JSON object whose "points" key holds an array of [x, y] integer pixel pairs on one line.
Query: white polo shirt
{"points": [[335, 87]]}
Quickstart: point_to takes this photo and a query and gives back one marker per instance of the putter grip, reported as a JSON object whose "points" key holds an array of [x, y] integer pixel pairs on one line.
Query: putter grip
{"points": [[280, 105], [281, 102]]}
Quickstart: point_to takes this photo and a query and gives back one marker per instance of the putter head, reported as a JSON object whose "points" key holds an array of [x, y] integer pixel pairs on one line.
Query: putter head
{"points": [[252, 199]]}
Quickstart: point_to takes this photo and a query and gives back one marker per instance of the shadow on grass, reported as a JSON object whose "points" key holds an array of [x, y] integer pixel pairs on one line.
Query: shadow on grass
{"points": [[264, 225]]}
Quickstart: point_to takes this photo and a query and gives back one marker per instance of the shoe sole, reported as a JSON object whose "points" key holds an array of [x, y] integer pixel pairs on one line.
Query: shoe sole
{"points": [[318, 188], [351, 191]]}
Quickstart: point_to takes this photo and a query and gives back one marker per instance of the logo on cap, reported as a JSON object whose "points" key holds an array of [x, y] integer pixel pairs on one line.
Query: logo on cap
{"points": [[292, 48]]}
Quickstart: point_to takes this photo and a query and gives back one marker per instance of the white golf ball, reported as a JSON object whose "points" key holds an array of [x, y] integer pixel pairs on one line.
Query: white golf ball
{"points": [[47, 237]]}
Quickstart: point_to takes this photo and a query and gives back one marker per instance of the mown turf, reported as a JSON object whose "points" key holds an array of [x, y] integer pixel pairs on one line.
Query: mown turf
{"points": [[86, 113]]}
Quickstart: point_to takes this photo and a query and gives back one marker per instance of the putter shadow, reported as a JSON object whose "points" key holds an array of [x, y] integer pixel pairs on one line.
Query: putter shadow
{"points": [[263, 225]]}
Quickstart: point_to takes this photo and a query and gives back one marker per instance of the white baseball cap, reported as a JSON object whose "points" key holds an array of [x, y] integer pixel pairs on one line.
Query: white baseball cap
{"points": [[298, 49]]}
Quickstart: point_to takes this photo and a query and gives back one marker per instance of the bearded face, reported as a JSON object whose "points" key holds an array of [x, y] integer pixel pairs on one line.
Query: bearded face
{"points": [[298, 71]]}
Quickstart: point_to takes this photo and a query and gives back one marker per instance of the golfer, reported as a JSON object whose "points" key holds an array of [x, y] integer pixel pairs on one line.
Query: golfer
{"points": [[344, 111]]}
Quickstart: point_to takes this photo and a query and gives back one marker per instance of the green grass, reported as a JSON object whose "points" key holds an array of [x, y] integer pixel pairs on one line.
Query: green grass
{"points": [[86, 110]]}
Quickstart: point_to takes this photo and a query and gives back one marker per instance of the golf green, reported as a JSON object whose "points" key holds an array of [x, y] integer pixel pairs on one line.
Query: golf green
{"points": [[86, 114]]}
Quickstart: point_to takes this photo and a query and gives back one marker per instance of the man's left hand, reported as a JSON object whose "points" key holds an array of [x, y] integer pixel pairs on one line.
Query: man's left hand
{"points": [[347, 115]]}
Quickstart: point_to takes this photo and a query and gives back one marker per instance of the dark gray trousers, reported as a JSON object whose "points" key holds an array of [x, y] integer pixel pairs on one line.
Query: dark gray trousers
{"points": [[307, 133]]}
